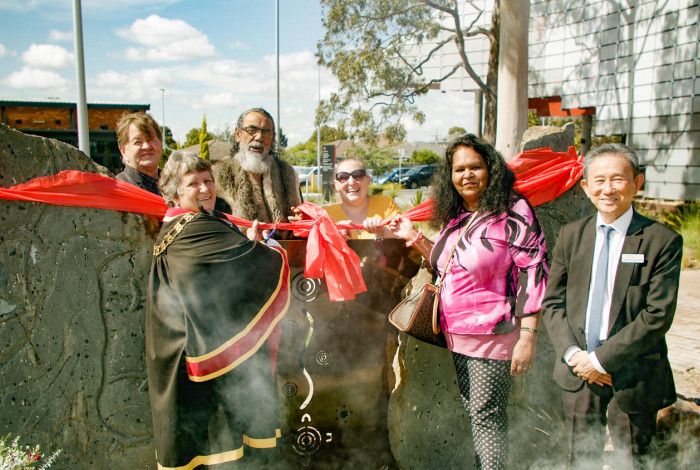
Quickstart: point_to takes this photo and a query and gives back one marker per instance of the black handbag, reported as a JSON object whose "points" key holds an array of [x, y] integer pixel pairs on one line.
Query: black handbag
{"points": [[418, 314]]}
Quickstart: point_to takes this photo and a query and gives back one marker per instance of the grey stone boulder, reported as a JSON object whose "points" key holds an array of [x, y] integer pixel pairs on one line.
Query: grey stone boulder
{"points": [[72, 303]]}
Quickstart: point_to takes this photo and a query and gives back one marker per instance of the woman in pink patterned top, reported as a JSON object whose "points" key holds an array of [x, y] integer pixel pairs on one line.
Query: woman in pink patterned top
{"points": [[491, 294]]}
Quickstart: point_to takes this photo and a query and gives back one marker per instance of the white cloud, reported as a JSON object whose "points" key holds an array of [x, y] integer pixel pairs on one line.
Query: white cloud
{"points": [[163, 39], [225, 98], [112, 79], [240, 46], [3, 51], [29, 77], [442, 111], [56, 35], [47, 56], [136, 84]]}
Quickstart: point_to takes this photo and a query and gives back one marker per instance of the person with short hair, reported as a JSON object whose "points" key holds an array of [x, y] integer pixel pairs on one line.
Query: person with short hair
{"points": [[492, 252], [351, 182], [138, 138], [254, 181], [610, 301], [215, 298]]}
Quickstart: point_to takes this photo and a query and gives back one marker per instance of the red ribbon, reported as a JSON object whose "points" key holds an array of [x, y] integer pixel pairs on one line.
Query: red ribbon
{"points": [[541, 176]]}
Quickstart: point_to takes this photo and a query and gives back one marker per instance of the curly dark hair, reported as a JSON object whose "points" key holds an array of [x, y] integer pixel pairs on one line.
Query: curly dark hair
{"points": [[499, 195]]}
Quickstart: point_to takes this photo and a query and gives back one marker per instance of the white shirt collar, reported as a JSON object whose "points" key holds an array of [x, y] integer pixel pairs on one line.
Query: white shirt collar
{"points": [[621, 224]]}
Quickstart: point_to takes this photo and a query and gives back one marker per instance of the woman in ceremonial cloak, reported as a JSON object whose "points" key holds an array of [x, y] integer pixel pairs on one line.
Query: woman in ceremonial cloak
{"points": [[215, 299]]}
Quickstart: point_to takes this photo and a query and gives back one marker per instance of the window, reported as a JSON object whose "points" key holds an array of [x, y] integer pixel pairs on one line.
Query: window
{"points": [[18, 121], [57, 122]]}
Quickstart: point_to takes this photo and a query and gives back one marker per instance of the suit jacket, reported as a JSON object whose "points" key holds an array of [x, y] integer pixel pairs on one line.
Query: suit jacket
{"points": [[642, 307]]}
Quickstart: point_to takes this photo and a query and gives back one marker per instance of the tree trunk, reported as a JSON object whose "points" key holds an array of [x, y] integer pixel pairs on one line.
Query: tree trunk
{"points": [[512, 76], [490, 108]]}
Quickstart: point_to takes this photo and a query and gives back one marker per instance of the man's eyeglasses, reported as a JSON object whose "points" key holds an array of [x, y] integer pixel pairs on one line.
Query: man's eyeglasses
{"points": [[253, 131], [357, 175]]}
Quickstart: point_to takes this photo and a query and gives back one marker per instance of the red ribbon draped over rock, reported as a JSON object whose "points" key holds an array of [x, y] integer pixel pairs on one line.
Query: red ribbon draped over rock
{"points": [[541, 176]]}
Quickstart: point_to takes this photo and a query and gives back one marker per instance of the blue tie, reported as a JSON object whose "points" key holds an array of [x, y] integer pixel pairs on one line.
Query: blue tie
{"points": [[600, 292]]}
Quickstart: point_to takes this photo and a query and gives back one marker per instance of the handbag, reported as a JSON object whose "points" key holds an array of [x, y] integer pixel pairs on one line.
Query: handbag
{"points": [[418, 314]]}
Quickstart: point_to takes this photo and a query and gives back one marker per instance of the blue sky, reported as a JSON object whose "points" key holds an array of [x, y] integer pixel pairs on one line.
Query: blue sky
{"points": [[214, 57]]}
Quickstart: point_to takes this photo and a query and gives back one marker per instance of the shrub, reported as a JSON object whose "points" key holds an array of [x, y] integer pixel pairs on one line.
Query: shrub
{"points": [[16, 457]]}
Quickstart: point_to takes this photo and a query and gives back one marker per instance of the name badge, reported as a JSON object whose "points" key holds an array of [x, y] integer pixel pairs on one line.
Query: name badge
{"points": [[633, 258]]}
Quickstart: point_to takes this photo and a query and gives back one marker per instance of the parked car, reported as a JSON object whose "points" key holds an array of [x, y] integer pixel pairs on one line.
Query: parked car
{"points": [[392, 176], [307, 174], [418, 176]]}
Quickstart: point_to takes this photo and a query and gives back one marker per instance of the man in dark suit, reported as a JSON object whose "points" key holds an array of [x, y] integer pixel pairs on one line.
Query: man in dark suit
{"points": [[610, 301]]}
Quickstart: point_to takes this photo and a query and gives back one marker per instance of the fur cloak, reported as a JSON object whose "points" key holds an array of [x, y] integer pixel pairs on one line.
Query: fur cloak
{"points": [[280, 190]]}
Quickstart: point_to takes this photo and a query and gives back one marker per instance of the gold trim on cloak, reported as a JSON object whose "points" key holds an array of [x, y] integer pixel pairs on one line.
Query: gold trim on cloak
{"points": [[230, 456], [172, 233]]}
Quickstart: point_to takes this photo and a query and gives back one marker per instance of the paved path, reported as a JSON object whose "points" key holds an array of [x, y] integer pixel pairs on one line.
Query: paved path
{"points": [[684, 336]]}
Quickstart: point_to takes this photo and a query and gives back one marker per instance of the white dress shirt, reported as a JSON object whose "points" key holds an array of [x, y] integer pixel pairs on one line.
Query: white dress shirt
{"points": [[617, 239]]}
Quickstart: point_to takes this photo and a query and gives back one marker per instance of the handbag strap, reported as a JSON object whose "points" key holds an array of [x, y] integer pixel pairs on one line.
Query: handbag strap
{"points": [[454, 247]]}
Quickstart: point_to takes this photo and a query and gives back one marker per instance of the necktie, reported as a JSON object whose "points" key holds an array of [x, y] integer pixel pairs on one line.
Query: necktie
{"points": [[600, 292]]}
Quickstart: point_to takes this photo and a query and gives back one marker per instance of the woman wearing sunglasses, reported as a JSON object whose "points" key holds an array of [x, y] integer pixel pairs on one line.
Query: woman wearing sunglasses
{"points": [[352, 182]]}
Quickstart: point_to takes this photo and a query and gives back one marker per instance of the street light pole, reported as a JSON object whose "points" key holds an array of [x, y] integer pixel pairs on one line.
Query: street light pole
{"points": [[318, 132], [162, 116], [81, 108], [277, 69]]}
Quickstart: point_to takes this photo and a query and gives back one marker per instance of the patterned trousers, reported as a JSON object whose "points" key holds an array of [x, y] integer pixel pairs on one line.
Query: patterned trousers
{"points": [[484, 385]]}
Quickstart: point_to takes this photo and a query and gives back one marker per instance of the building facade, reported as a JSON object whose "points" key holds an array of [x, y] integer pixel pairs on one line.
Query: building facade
{"points": [[58, 120], [631, 66]]}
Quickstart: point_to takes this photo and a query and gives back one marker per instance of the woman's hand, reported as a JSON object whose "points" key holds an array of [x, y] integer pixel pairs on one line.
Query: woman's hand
{"points": [[373, 225], [253, 233], [344, 231], [401, 227], [523, 353]]}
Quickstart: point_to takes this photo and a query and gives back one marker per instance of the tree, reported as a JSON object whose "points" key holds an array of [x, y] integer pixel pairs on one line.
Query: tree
{"points": [[330, 134], [379, 159], [456, 131], [366, 48], [282, 139], [299, 157], [304, 154], [192, 137], [203, 141], [226, 135], [425, 157], [170, 144]]}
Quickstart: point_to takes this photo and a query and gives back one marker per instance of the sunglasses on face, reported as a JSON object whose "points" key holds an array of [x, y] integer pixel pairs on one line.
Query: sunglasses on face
{"points": [[253, 131], [343, 176]]}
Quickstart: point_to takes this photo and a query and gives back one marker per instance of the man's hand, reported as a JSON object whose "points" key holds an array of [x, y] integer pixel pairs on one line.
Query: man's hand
{"points": [[585, 370], [298, 215]]}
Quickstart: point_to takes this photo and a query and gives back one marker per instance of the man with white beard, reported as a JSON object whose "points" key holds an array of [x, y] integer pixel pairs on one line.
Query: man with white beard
{"points": [[254, 181]]}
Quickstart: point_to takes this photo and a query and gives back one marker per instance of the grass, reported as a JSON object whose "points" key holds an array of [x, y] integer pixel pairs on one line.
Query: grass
{"points": [[392, 188], [685, 219]]}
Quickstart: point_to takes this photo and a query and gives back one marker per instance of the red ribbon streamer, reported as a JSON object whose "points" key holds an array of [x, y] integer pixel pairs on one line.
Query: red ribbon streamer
{"points": [[541, 176]]}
